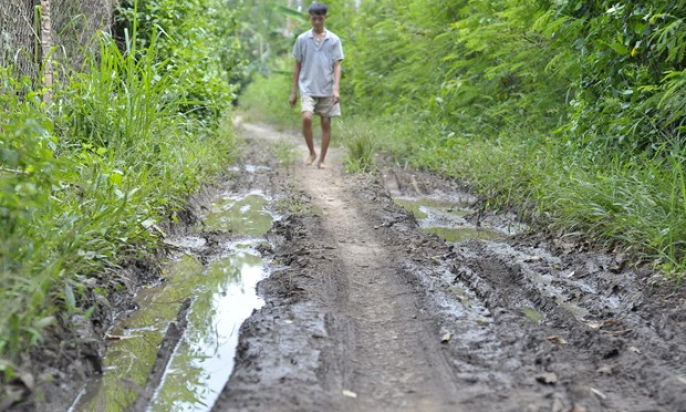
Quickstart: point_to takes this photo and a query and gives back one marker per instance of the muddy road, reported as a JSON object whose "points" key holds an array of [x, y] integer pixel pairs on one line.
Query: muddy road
{"points": [[392, 294], [290, 288]]}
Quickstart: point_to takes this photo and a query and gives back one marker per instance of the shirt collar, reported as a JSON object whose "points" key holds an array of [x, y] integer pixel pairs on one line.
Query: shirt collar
{"points": [[310, 33]]}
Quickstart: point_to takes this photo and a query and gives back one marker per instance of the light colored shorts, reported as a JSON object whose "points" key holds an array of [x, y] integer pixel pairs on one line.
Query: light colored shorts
{"points": [[322, 106]]}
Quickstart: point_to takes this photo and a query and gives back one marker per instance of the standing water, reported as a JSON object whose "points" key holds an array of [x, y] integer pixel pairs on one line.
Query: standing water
{"points": [[223, 294]]}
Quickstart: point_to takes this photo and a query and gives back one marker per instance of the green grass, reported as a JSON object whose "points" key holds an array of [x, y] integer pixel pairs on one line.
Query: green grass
{"points": [[287, 153], [360, 147], [83, 183], [635, 206]]}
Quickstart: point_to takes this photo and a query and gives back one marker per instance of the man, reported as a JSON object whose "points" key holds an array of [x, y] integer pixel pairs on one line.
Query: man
{"points": [[317, 74]]}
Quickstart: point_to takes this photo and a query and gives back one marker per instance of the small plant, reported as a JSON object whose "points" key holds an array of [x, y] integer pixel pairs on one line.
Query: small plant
{"points": [[286, 152], [360, 148]]}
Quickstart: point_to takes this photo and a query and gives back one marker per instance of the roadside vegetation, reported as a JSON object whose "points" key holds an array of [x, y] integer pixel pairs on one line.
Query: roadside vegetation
{"points": [[86, 179], [570, 112]]}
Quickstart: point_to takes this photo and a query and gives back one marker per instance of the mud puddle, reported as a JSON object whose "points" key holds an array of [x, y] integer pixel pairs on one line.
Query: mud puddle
{"points": [[452, 218], [216, 269]]}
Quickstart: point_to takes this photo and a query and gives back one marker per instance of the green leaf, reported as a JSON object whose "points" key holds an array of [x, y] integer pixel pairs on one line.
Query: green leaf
{"points": [[117, 178], [295, 14], [147, 223], [44, 323], [69, 297]]}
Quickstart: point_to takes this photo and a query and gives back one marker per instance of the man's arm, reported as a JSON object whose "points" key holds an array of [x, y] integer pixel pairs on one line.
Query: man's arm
{"points": [[294, 88], [336, 81]]}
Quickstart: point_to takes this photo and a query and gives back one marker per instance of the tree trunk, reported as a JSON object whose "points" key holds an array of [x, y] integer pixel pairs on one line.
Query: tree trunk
{"points": [[46, 47]]}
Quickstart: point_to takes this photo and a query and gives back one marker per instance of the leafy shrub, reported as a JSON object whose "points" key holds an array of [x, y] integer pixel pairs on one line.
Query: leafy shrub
{"points": [[83, 182]]}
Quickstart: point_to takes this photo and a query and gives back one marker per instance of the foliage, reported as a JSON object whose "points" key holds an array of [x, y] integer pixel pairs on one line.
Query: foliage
{"points": [[84, 181], [194, 38], [570, 110], [360, 146], [267, 99]]}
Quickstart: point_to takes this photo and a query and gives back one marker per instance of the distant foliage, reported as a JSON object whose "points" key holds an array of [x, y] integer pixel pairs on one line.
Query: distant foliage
{"points": [[609, 74], [195, 38], [572, 111]]}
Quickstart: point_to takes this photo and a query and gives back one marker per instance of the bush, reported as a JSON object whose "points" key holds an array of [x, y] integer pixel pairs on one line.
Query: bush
{"points": [[83, 182]]}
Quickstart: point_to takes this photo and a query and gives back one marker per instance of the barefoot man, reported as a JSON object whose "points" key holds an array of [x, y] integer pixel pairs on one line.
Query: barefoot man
{"points": [[318, 54]]}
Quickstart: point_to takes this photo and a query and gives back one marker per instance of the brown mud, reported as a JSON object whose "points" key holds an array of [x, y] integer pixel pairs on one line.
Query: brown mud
{"points": [[367, 310], [372, 313]]}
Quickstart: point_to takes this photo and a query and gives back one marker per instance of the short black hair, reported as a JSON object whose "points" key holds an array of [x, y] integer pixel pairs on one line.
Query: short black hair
{"points": [[318, 8]]}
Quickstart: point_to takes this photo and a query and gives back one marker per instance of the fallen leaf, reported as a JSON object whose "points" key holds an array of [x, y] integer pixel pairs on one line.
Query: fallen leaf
{"points": [[349, 394], [446, 338], [610, 323], [605, 370], [597, 393], [594, 325], [557, 339], [634, 349], [120, 337], [547, 378], [617, 332]]}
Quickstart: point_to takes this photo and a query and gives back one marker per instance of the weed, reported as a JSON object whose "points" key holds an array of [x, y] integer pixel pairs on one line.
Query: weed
{"points": [[360, 146], [286, 152]]}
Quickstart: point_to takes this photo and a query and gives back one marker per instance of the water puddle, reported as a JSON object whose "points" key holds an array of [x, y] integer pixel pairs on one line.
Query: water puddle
{"points": [[455, 235], [242, 215], [204, 359], [252, 169], [222, 286], [447, 218], [531, 313]]}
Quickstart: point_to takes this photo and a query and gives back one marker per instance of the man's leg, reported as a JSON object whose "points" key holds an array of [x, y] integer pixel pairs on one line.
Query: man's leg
{"points": [[326, 138], [307, 133]]}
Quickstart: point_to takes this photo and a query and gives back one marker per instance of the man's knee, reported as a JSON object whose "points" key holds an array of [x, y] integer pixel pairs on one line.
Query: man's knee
{"points": [[326, 122], [307, 117]]}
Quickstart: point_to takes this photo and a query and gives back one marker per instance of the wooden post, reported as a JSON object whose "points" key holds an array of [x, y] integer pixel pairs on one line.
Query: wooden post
{"points": [[46, 48]]}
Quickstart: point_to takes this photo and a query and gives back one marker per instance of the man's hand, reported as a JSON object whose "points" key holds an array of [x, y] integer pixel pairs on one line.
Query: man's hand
{"points": [[293, 99], [336, 96]]}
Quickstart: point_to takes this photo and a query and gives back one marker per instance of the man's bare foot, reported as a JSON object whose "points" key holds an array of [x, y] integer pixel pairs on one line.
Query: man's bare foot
{"points": [[322, 165], [310, 159]]}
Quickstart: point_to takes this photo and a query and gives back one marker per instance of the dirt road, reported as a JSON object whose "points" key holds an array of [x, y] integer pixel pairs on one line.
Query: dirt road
{"points": [[368, 312]]}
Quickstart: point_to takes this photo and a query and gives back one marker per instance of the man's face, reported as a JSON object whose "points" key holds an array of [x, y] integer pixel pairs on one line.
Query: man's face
{"points": [[317, 21]]}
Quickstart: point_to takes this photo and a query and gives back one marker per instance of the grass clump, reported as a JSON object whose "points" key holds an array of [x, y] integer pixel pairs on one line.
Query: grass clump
{"points": [[287, 153], [360, 147]]}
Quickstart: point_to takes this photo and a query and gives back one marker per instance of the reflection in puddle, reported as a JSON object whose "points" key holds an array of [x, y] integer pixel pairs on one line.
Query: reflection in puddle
{"points": [[460, 234], [446, 217], [130, 358], [244, 215], [223, 295], [204, 359]]}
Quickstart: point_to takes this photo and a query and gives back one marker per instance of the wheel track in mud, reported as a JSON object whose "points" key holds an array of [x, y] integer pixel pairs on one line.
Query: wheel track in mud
{"points": [[333, 322]]}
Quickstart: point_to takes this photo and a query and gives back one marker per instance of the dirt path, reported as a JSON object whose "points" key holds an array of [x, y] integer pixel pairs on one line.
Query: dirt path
{"points": [[389, 359], [366, 312]]}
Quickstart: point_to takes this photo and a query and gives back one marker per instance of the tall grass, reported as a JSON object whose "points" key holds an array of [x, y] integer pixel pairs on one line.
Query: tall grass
{"points": [[83, 183], [636, 207]]}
